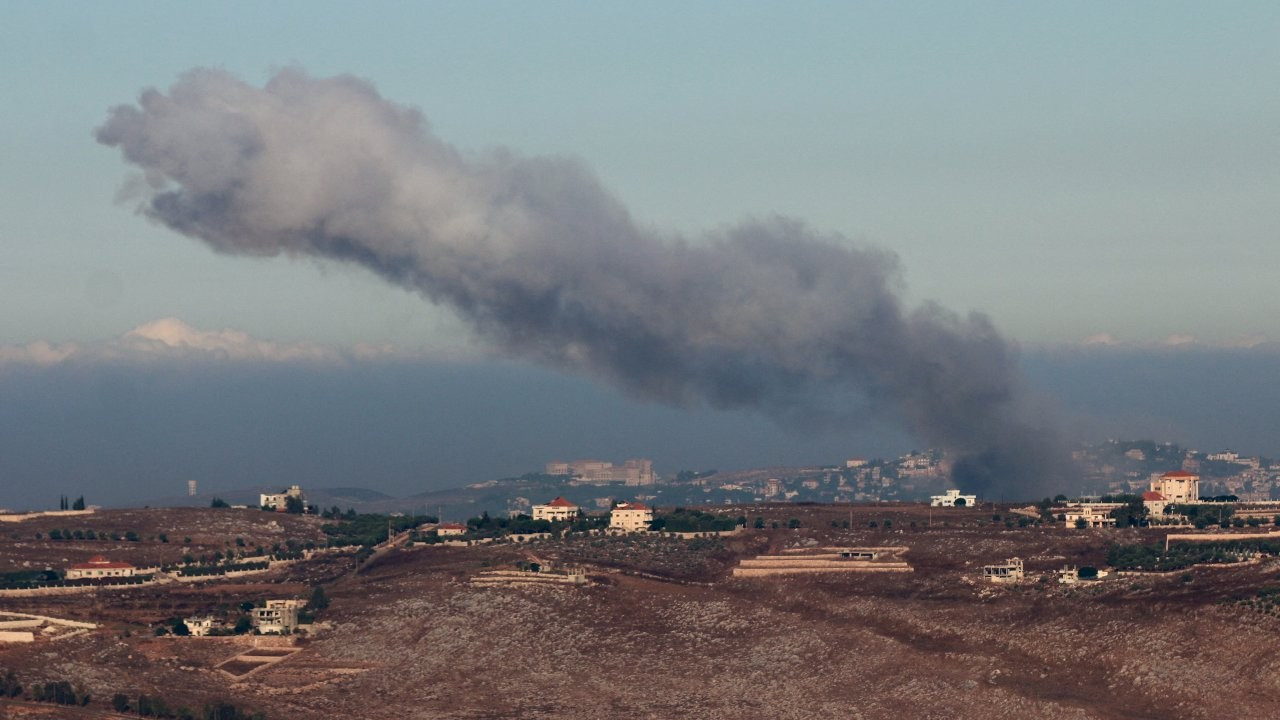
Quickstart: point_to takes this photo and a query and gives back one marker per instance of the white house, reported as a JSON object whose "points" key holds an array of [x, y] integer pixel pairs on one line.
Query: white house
{"points": [[451, 529], [1094, 515], [280, 500], [953, 498], [199, 626], [630, 517], [100, 567], [558, 510]]}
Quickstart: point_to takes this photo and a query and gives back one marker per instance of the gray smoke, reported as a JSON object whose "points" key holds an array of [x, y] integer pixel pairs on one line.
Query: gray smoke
{"points": [[540, 259]]}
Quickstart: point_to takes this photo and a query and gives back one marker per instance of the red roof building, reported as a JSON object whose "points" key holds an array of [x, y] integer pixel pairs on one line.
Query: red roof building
{"points": [[99, 566], [558, 510], [1177, 486]]}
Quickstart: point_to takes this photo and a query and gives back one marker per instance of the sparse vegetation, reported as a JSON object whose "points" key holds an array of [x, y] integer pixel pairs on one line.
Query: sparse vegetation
{"points": [[1179, 556]]}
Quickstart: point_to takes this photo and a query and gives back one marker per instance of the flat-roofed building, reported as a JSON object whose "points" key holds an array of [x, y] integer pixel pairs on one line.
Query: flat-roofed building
{"points": [[278, 617], [953, 498], [630, 517]]}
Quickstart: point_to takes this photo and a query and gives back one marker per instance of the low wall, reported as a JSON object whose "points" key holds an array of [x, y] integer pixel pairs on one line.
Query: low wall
{"points": [[843, 568], [52, 620], [19, 624], [15, 636], [74, 590], [19, 517]]}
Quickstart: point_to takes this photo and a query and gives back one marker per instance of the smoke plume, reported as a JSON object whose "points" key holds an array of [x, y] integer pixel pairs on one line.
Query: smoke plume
{"points": [[542, 261]]}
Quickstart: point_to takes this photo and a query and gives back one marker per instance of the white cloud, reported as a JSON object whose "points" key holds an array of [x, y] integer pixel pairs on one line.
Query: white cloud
{"points": [[171, 338], [1102, 338]]}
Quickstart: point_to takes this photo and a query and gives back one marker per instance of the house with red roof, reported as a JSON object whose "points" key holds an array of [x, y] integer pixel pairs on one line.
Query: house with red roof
{"points": [[99, 566], [558, 510], [1177, 486], [1154, 502]]}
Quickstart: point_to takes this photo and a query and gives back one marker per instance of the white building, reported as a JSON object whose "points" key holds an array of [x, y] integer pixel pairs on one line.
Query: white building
{"points": [[630, 517], [632, 472], [100, 567], [558, 510], [451, 529], [278, 617], [953, 498], [199, 626], [1092, 515], [1178, 486], [1008, 571], [280, 500]]}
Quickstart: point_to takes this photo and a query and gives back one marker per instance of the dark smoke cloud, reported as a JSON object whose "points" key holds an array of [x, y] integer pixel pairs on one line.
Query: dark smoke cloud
{"points": [[765, 314]]}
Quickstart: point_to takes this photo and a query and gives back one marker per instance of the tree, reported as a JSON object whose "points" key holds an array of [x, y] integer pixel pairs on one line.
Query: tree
{"points": [[78, 504], [318, 601], [179, 628], [9, 686], [294, 505], [219, 503], [1081, 523], [1087, 572], [759, 523], [120, 703]]}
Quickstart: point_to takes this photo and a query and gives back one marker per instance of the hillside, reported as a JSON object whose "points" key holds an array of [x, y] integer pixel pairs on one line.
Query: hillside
{"points": [[662, 630]]}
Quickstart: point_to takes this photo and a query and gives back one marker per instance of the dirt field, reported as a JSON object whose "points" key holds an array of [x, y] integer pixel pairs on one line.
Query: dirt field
{"points": [[664, 631]]}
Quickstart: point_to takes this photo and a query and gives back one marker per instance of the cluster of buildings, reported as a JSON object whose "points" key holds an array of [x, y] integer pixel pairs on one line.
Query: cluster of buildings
{"points": [[275, 617], [1117, 467], [624, 517], [599, 472]]}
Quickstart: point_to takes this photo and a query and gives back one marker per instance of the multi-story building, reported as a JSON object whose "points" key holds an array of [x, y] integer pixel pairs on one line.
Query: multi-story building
{"points": [[1177, 486], [632, 472], [558, 510], [278, 617], [953, 498], [280, 500], [630, 517], [199, 626]]}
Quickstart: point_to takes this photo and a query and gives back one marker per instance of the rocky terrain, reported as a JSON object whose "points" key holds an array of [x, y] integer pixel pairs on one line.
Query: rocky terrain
{"points": [[662, 630]]}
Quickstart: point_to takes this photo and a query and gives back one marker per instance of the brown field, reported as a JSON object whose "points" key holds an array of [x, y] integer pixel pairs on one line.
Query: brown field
{"points": [[663, 631], [208, 529]]}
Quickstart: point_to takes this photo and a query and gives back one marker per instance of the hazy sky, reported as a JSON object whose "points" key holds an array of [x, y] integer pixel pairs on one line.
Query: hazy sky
{"points": [[1070, 169], [1102, 172]]}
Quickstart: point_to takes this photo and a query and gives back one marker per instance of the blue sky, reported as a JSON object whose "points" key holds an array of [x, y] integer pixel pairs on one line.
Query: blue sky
{"points": [[1070, 169]]}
